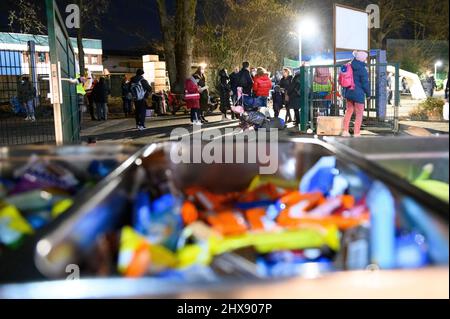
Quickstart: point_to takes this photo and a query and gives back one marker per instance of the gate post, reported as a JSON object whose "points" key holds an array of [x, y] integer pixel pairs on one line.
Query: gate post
{"points": [[396, 96], [304, 105], [33, 70]]}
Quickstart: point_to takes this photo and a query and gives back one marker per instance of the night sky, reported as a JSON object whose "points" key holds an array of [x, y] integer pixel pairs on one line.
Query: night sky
{"points": [[126, 26], [134, 24]]}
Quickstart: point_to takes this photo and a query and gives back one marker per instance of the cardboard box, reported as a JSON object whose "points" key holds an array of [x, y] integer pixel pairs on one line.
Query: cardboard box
{"points": [[160, 74], [158, 88], [160, 65], [330, 125], [150, 58], [159, 81]]}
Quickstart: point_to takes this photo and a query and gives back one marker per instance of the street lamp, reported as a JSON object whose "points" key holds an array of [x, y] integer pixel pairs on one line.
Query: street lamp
{"points": [[307, 27], [438, 64]]}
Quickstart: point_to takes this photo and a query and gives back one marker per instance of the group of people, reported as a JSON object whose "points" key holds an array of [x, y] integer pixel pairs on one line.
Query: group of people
{"points": [[256, 89]]}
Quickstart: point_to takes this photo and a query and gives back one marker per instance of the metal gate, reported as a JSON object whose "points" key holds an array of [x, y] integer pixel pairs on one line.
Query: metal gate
{"points": [[16, 127], [67, 113], [325, 99]]}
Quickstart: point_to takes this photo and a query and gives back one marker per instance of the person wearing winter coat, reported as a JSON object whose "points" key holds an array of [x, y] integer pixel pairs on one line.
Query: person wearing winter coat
{"points": [[277, 98], [204, 95], [225, 92], [192, 97], [285, 83], [357, 97], [245, 80], [90, 99], [100, 95], [126, 96], [262, 86], [234, 84], [140, 106], [429, 84], [25, 94], [294, 97]]}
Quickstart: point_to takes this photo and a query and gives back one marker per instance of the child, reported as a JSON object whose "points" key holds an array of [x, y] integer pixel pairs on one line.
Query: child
{"points": [[277, 100]]}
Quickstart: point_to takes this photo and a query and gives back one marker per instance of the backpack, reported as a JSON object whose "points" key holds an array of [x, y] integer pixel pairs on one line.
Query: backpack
{"points": [[322, 75], [346, 77], [137, 91]]}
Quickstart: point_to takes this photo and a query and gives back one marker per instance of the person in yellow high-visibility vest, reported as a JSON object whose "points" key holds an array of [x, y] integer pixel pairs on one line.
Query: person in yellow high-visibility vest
{"points": [[81, 92]]}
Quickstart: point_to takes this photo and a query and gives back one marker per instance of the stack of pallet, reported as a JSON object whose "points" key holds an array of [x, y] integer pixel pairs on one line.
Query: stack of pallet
{"points": [[155, 72]]}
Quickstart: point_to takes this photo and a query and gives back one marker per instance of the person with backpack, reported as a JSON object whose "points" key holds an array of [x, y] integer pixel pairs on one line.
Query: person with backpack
{"points": [[285, 83], [262, 86], [25, 94], [140, 90], [192, 98], [100, 95], [245, 80], [354, 79], [127, 97], [294, 97]]}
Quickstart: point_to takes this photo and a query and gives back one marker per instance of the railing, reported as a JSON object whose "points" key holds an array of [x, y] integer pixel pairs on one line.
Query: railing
{"points": [[324, 98]]}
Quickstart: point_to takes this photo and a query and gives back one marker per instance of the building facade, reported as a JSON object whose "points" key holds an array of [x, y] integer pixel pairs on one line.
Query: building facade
{"points": [[15, 61]]}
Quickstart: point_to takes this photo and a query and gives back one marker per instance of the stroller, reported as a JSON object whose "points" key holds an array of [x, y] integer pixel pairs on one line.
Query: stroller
{"points": [[247, 110]]}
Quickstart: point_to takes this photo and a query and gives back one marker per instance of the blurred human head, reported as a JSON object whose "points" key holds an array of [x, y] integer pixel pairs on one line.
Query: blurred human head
{"points": [[139, 72], [223, 72], [286, 72], [245, 65], [260, 71], [196, 77], [236, 69], [201, 69], [360, 55]]}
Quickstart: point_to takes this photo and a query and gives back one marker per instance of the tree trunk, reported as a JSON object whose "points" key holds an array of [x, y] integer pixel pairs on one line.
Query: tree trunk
{"points": [[178, 41], [168, 41], [80, 41], [185, 24]]}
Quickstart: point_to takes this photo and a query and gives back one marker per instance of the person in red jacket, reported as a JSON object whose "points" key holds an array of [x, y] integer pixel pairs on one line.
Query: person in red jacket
{"points": [[262, 86], [192, 98]]}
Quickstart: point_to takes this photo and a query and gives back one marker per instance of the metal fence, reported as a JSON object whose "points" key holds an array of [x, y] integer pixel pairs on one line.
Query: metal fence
{"points": [[14, 128], [323, 97]]}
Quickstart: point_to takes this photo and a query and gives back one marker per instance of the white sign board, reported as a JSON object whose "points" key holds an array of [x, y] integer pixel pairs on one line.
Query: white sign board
{"points": [[352, 29]]}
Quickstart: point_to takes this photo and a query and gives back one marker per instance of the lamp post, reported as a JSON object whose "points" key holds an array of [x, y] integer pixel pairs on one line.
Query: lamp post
{"points": [[438, 64], [306, 24]]}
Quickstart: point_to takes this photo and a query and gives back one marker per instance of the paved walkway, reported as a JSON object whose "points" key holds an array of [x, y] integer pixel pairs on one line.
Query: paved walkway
{"points": [[123, 130]]}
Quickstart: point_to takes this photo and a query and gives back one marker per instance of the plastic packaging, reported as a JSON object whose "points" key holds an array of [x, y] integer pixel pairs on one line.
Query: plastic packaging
{"points": [[382, 222]]}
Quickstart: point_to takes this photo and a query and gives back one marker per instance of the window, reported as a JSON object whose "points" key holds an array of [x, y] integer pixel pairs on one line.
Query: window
{"points": [[86, 59], [26, 58], [41, 57], [94, 59]]}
